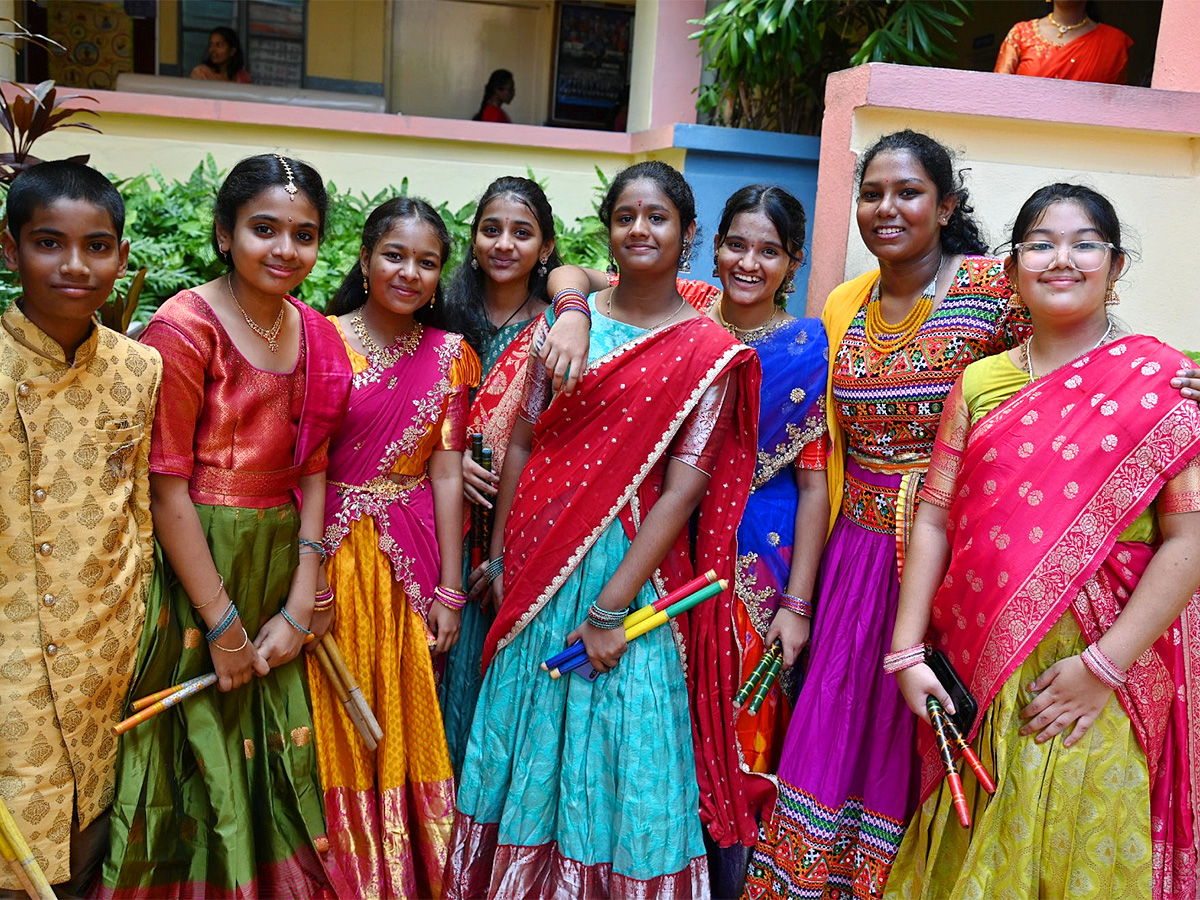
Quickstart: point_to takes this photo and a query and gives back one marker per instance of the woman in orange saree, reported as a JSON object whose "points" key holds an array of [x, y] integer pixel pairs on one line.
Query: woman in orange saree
{"points": [[1066, 44], [1055, 561]]}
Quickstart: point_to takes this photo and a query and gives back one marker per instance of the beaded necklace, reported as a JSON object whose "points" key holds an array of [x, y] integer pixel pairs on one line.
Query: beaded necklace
{"points": [[883, 337]]}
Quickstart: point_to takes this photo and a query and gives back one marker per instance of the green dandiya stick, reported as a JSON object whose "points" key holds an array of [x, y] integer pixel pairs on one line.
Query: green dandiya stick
{"points": [[764, 686], [756, 675]]}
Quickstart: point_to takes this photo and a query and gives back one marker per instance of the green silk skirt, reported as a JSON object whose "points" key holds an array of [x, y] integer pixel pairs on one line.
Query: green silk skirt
{"points": [[219, 795]]}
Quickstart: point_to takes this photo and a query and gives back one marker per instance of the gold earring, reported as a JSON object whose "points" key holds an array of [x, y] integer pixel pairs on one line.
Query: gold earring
{"points": [[1014, 299], [366, 284], [1111, 298]]}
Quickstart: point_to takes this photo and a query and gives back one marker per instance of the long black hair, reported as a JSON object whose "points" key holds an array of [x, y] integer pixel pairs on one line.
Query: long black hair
{"points": [[961, 234], [351, 295], [237, 61], [251, 177], [496, 80], [465, 309], [782, 210]]}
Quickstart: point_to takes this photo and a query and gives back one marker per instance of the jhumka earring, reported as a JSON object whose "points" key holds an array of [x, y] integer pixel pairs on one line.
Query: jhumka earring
{"points": [[612, 263], [1014, 299], [1111, 298], [474, 263], [542, 270], [716, 270], [685, 258]]}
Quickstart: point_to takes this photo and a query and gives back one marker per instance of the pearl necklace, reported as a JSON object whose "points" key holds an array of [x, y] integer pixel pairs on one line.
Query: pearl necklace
{"points": [[1027, 360], [884, 337], [385, 357], [270, 335], [1064, 29]]}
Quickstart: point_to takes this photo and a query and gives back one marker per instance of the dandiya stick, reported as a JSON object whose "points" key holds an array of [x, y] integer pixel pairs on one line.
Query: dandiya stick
{"points": [[20, 858], [190, 688], [352, 688], [151, 699], [756, 675], [937, 717], [649, 624], [339, 688], [637, 616], [764, 686], [981, 774]]}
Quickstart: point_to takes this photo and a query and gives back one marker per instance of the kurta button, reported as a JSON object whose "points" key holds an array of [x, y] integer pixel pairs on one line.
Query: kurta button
{"points": [[46, 548], [23, 389], [39, 495], [51, 649], [48, 599]]}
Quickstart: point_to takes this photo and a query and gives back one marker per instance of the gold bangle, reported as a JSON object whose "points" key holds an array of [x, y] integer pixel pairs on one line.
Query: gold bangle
{"points": [[237, 649], [220, 587]]}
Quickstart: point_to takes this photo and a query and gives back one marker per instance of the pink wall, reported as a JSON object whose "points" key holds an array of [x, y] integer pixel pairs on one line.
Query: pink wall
{"points": [[676, 62], [1177, 57]]}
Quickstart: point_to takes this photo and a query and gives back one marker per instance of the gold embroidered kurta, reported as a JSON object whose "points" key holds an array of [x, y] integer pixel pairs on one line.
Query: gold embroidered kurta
{"points": [[76, 541]]}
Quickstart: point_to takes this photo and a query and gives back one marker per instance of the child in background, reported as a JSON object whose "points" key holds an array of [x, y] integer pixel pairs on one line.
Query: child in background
{"points": [[76, 404], [219, 796]]}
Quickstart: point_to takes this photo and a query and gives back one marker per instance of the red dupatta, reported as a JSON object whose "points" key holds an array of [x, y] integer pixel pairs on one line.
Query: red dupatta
{"points": [[497, 403], [593, 451], [1101, 55], [1034, 533], [390, 411]]}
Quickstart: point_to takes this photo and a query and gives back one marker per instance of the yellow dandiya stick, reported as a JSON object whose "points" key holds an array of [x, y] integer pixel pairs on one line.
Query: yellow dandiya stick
{"points": [[193, 687], [670, 599], [30, 874], [14, 864], [352, 688], [764, 686], [343, 695], [649, 624], [757, 673]]}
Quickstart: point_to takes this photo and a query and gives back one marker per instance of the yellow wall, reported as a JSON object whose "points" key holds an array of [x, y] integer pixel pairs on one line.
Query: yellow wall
{"points": [[346, 39]]}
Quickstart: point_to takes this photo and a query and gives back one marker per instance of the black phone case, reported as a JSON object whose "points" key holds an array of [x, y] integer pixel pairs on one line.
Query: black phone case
{"points": [[965, 707]]}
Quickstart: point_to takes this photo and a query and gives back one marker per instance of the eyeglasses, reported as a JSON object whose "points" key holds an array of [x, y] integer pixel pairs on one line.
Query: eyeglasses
{"points": [[1085, 256]]}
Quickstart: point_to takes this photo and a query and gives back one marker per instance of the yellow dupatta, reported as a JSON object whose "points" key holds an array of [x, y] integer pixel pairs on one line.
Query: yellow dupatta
{"points": [[841, 307]]}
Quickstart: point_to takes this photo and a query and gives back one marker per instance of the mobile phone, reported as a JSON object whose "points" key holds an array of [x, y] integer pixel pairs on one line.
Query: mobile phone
{"points": [[966, 709]]}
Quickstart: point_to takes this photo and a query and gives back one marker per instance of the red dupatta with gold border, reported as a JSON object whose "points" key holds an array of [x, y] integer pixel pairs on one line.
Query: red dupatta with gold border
{"points": [[1034, 533], [497, 403]]}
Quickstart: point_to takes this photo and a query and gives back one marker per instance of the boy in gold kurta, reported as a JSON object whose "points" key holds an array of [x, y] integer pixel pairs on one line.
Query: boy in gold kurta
{"points": [[76, 404]]}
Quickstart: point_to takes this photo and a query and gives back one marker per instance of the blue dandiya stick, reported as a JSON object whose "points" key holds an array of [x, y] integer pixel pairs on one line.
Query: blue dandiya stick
{"points": [[652, 622], [638, 615]]}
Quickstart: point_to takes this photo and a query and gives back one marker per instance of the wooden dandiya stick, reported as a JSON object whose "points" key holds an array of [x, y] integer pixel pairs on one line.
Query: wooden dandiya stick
{"points": [[756, 674], [636, 616], [938, 719], [188, 689], [20, 859], [650, 623], [764, 686], [343, 695], [476, 540], [352, 688], [981, 774]]}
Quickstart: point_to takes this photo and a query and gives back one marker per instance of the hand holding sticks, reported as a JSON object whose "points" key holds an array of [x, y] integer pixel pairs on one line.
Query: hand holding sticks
{"points": [[940, 720], [347, 689], [758, 685]]}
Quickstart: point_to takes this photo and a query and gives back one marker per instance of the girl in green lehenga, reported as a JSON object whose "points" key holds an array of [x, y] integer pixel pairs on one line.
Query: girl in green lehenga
{"points": [[219, 796]]}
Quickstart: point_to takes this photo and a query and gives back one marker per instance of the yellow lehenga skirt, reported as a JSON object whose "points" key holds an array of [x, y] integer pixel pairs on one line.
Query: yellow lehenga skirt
{"points": [[390, 812], [1065, 822]]}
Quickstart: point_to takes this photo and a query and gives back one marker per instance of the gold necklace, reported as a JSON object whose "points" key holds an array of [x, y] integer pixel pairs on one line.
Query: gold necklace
{"points": [[270, 335], [385, 357], [673, 314], [883, 337], [1027, 361], [1064, 29], [747, 334]]}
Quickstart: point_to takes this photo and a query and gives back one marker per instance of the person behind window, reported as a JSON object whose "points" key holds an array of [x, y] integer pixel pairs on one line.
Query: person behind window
{"points": [[225, 61], [500, 89], [1066, 43]]}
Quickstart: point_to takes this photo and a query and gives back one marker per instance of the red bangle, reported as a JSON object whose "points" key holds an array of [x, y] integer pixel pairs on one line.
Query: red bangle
{"points": [[899, 660]]}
